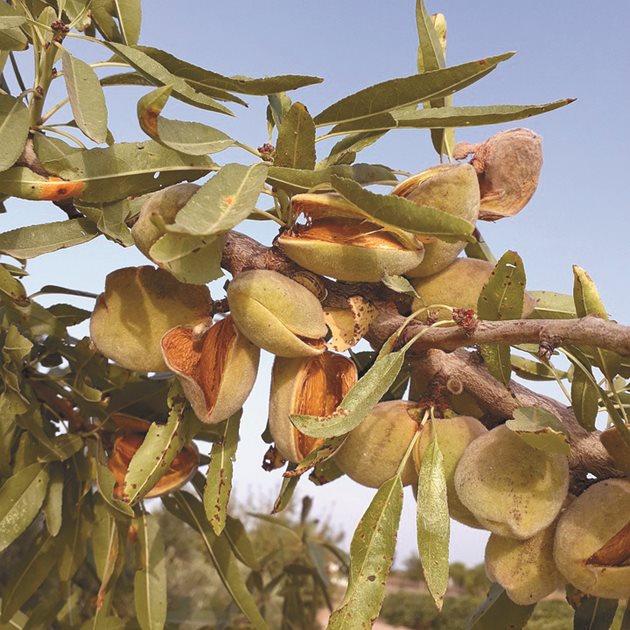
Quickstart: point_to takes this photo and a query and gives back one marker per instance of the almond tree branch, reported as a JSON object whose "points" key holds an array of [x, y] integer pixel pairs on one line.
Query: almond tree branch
{"points": [[441, 351]]}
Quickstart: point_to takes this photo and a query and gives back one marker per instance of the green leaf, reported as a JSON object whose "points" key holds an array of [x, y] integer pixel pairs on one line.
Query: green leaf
{"points": [[158, 74], [127, 169], [358, 402], [201, 79], [191, 259], [108, 561], [534, 370], [345, 151], [220, 469], [14, 125], [21, 498], [295, 180], [595, 613], [287, 490], [588, 302], [499, 611], [502, 298], [318, 455], [371, 552], [479, 249], [12, 287], [150, 579], [86, 97], [110, 219], [54, 499], [192, 138], [430, 52], [105, 484], [433, 521], [584, 399], [550, 305], [240, 542], [129, 18], [295, 147], [397, 212], [69, 315], [223, 202], [11, 38], [399, 284], [10, 18], [75, 532], [36, 563], [35, 240], [447, 116], [540, 428], [161, 445], [396, 93], [191, 511]]}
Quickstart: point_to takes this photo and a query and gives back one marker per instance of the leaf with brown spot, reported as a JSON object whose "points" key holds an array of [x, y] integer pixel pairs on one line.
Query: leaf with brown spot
{"points": [[349, 325]]}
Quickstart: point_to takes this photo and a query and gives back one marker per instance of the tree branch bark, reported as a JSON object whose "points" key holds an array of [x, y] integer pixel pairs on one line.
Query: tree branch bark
{"points": [[440, 351]]}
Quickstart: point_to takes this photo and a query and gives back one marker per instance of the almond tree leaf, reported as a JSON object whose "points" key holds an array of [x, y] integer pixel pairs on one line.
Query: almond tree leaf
{"points": [[76, 530], [595, 613], [11, 38], [149, 584], [287, 490], [190, 510], [220, 470], [397, 212], [161, 445], [11, 287], [550, 305], [192, 138], [372, 553], [221, 203], [35, 240], [399, 284], [396, 93], [295, 147], [588, 302], [14, 126], [127, 169], [502, 298], [54, 499], [201, 79], [86, 97], [344, 152], [584, 399], [540, 428], [294, 180], [191, 259], [534, 370], [241, 543], [156, 72], [430, 51], [106, 544], [130, 18], [433, 521], [105, 483], [358, 402], [499, 611], [21, 498], [446, 116], [36, 564], [110, 219], [10, 18]]}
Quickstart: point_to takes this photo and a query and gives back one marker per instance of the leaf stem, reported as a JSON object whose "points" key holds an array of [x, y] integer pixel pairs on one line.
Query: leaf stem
{"points": [[53, 110], [17, 73], [65, 134]]}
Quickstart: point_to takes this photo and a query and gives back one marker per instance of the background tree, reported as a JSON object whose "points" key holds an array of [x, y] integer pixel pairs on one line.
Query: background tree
{"points": [[89, 430]]}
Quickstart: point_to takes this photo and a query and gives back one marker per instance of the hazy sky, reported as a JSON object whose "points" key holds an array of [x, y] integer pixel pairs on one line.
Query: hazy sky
{"points": [[565, 48]]}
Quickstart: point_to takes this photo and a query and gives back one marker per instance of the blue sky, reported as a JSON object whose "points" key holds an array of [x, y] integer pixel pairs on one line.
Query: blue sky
{"points": [[579, 214]]}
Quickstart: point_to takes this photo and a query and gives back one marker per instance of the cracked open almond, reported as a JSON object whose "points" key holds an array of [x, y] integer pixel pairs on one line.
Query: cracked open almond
{"points": [[311, 386], [138, 306], [216, 367], [592, 543], [338, 242], [179, 473]]}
